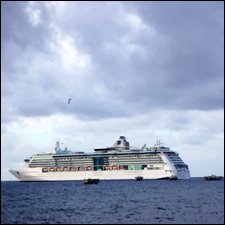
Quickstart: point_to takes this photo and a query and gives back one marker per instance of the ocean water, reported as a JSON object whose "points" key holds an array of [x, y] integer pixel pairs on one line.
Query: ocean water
{"points": [[193, 201]]}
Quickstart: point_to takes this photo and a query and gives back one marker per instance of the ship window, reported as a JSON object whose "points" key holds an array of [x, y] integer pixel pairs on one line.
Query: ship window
{"points": [[119, 142]]}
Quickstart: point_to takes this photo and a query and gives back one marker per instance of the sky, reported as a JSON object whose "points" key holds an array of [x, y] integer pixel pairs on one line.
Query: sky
{"points": [[145, 70]]}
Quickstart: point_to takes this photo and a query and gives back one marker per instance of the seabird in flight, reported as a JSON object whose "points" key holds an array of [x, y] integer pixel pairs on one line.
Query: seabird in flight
{"points": [[69, 100]]}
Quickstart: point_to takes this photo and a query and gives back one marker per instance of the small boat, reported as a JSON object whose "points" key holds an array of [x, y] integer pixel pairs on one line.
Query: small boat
{"points": [[213, 177], [95, 181], [173, 177], [138, 178], [91, 181]]}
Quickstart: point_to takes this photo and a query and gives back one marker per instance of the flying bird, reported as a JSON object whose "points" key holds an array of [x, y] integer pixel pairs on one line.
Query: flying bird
{"points": [[69, 100]]}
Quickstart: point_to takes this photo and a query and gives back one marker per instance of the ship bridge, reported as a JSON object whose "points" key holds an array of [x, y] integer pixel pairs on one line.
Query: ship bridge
{"points": [[120, 144]]}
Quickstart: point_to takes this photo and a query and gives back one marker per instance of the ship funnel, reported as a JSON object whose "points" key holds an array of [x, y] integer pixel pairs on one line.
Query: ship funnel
{"points": [[121, 143]]}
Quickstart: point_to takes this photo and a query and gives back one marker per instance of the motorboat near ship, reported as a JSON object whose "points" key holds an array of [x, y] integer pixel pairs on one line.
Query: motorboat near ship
{"points": [[213, 177], [139, 178], [91, 181], [117, 162], [173, 177]]}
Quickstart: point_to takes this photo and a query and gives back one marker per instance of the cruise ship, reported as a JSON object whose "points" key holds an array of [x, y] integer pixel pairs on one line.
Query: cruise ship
{"points": [[118, 162]]}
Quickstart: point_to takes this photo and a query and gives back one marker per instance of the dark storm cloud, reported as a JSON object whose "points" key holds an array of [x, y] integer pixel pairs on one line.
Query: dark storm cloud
{"points": [[18, 34], [143, 55], [183, 65], [187, 68]]}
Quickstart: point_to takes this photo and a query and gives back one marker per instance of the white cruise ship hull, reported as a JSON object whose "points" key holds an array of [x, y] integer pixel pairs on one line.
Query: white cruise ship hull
{"points": [[36, 174], [112, 163]]}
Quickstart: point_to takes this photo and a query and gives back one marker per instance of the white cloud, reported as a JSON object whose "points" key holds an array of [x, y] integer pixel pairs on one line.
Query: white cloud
{"points": [[56, 6], [64, 46], [138, 26], [34, 13]]}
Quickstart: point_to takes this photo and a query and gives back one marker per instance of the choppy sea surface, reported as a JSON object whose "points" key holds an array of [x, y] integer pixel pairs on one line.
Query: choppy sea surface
{"points": [[193, 201]]}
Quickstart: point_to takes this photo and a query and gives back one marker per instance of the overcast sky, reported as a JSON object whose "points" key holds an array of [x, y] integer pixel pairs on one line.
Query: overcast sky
{"points": [[145, 70]]}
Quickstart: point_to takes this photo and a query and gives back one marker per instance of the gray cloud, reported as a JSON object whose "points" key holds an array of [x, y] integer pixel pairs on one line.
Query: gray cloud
{"points": [[114, 59]]}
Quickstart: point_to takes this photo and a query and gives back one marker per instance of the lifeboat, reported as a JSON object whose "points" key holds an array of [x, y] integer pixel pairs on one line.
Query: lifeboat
{"points": [[65, 168], [123, 167], [52, 169], [115, 167], [88, 167], [44, 170], [108, 168], [58, 169]]}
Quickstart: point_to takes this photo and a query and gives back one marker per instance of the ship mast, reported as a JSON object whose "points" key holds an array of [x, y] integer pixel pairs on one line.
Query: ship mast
{"points": [[158, 143], [57, 146]]}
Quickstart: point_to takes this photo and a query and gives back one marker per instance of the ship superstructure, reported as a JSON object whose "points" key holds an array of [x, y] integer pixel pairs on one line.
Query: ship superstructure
{"points": [[117, 162]]}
